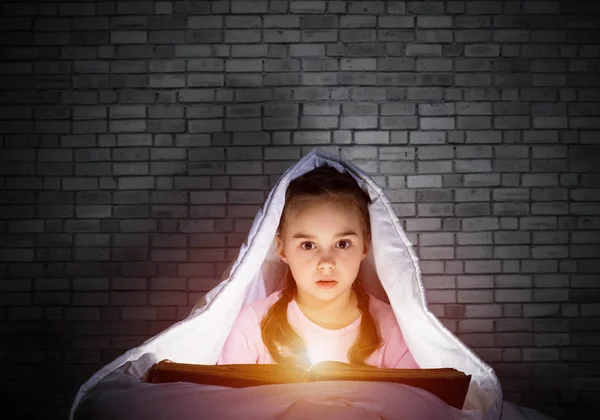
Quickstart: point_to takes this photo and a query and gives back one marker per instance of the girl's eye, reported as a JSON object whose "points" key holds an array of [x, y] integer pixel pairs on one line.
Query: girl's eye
{"points": [[345, 242], [302, 245], [309, 246]]}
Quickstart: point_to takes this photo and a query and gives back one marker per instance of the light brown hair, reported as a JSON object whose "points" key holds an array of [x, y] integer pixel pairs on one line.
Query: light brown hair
{"points": [[323, 183]]}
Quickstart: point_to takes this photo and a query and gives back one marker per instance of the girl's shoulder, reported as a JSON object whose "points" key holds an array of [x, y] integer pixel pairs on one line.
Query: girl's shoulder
{"points": [[381, 311], [263, 305], [259, 308]]}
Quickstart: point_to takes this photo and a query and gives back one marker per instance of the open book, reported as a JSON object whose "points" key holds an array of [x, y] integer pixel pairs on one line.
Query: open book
{"points": [[448, 384]]}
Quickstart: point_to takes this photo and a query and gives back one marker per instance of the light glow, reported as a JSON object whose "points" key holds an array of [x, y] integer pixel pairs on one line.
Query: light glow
{"points": [[316, 355]]}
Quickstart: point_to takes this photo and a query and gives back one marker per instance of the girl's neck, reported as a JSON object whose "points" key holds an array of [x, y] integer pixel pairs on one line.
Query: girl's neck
{"points": [[334, 314]]}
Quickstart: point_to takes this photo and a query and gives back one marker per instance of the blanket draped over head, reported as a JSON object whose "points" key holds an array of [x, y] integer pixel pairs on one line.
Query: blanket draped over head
{"points": [[390, 272]]}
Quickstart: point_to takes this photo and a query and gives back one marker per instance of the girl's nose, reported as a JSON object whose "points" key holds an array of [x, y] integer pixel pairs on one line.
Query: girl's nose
{"points": [[326, 261]]}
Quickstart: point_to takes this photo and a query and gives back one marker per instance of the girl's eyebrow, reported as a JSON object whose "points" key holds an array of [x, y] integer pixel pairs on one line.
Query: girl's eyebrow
{"points": [[306, 236]]}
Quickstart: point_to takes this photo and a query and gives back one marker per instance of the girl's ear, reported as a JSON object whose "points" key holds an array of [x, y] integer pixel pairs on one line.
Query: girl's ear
{"points": [[367, 246], [280, 249]]}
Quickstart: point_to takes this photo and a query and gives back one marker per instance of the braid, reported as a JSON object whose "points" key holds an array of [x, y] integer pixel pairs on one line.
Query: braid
{"points": [[278, 334], [368, 337], [288, 293]]}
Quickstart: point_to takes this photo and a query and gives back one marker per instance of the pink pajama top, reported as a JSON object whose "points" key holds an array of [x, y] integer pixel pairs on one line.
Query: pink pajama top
{"points": [[245, 345]]}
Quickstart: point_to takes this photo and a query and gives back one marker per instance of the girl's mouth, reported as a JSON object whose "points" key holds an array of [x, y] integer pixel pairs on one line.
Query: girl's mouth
{"points": [[326, 284]]}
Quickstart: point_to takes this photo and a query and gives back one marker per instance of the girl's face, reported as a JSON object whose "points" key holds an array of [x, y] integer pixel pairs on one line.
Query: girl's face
{"points": [[323, 243]]}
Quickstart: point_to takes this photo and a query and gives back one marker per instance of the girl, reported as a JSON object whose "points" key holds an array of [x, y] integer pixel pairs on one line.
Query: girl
{"points": [[324, 313]]}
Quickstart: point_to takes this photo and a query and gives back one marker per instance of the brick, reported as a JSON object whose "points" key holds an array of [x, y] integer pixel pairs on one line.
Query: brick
{"points": [[481, 180], [298, 6], [82, 314], [436, 109], [397, 153], [139, 313], [395, 123], [439, 282], [472, 209], [474, 296], [281, 21], [249, 7], [441, 296], [423, 50], [428, 239], [435, 152], [482, 266], [437, 123]]}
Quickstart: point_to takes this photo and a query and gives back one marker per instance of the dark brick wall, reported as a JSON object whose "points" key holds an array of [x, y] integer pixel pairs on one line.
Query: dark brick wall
{"points": [[138, 139]]}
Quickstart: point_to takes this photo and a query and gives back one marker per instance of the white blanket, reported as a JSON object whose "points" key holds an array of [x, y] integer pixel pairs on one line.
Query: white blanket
{"points": [[391, 272]]}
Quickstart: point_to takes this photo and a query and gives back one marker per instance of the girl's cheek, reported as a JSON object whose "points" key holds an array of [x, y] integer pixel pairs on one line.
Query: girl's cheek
{"points": [[305, 256]]}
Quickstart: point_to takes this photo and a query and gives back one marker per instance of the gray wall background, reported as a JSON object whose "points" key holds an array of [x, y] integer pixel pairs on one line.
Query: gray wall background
{"points": [[139, 138]]}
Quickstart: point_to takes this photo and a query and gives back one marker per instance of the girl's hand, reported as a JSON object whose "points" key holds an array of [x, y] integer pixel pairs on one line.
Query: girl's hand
{"points": [[145, 376]]}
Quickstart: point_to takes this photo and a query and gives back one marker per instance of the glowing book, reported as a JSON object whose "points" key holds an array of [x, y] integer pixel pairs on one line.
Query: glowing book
{"points": [[448, 384]]}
